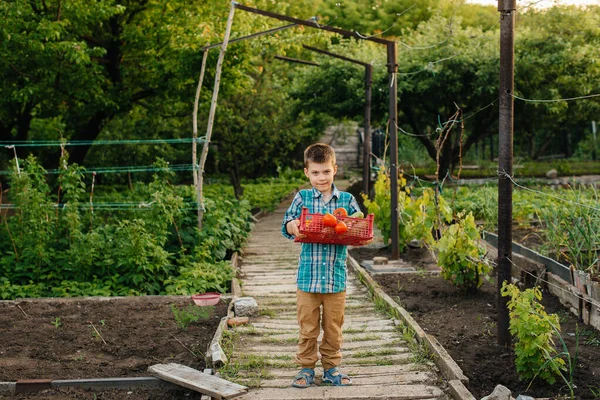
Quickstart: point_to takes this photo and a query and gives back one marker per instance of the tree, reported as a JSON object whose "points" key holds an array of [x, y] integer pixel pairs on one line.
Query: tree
{"points": [[555, 58], [86, 64]]}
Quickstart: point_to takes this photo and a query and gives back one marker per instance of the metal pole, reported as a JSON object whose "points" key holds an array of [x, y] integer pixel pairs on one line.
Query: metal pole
{"points": [[295, 60], [505, 160], [252, 36], [392, 53], [367, 131]]}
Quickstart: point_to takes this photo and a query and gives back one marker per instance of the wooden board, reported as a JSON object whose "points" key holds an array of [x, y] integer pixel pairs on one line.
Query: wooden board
{"points": [[198, 381]]}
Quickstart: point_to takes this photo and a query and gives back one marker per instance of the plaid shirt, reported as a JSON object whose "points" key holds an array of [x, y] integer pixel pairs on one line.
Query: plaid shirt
{"points": [[322, 267]]}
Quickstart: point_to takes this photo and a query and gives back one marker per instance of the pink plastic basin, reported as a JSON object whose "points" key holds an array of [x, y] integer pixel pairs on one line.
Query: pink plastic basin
{"points": [[206, 299]]}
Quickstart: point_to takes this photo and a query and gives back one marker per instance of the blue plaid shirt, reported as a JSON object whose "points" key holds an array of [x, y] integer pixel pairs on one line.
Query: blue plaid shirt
{"points": [[322, 267]]}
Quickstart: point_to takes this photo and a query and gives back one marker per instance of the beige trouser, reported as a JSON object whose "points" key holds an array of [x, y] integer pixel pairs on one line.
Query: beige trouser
{"points": [[309, 319]]}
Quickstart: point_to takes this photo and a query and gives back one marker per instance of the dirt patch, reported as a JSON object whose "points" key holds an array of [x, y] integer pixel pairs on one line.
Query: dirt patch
{"points": [[92, 338], [466, 326]]}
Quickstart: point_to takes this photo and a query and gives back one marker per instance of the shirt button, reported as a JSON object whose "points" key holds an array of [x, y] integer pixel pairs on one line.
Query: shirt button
{"points": [[323, 263], [323, 277]]}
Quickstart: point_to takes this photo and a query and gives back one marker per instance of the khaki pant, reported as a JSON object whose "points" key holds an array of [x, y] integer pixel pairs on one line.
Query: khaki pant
{"points": [[309, 319]]}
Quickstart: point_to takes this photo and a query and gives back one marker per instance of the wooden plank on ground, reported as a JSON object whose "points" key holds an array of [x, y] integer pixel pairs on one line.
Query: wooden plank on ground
{"points": [[195, 380]]}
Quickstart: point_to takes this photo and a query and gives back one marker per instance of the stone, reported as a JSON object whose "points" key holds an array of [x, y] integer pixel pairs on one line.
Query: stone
{"points": [[522, 397], [380, 260], [500, 393], [245, 307], [552, 174], [238, 321]]}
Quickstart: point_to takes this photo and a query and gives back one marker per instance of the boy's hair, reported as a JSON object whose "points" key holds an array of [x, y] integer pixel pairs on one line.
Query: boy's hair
{"points": [[319, 153]]}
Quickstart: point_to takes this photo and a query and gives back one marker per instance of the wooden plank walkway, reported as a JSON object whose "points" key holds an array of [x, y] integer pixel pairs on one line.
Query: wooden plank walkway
{"points": [[376, 355]]}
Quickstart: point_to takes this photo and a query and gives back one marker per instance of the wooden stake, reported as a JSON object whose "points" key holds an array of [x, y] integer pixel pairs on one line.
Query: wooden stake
{"points": [[195, 119], [24, 313], [211, 115], [98, 333]]}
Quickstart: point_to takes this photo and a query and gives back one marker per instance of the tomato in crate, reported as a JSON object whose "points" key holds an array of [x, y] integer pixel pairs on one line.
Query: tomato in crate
{"points": [[313, 229]]}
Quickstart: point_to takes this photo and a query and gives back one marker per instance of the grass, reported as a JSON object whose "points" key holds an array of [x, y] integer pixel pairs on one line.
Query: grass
{"points": [[267, 312], [376, 353], [272, 340], [355, 330]]}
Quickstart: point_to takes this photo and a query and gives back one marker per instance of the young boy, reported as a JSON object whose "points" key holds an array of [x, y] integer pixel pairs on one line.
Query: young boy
{"points": [[321, 277]]}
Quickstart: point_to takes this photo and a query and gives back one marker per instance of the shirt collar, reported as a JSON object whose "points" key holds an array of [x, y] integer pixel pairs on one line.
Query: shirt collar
{"points": [[334, 193]]}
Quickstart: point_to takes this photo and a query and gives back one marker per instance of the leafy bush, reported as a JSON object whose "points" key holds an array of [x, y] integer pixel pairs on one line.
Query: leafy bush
{"points": [[201, 277], [534, 331], [57, 245], [460, 256], [426, 218]]}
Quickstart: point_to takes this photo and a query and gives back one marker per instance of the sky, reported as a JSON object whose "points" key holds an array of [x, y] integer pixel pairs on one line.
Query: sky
{"points": [[540, 4]]}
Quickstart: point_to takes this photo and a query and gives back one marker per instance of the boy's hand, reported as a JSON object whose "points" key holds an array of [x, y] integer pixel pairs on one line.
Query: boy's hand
{"points": [[293, 227]]}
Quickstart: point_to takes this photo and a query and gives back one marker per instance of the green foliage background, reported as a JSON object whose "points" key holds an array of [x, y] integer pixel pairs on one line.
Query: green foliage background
{"points": [[54, 243]]}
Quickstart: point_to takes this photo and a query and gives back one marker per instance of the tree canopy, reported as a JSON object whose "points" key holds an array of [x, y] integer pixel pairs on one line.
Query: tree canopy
{"points": [[129, 68]]}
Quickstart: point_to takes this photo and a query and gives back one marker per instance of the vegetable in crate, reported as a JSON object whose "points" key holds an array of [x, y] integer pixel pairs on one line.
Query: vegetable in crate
{"points": [[340, 212], [340, 228], [358, 214], [329, 220]]}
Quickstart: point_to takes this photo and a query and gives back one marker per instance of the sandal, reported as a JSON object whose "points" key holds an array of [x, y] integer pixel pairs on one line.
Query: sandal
{"points": [[307, 375], [334, 377]]}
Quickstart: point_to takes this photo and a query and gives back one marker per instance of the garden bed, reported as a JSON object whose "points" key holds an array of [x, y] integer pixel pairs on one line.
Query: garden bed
{"points": [[80, 338], [466, 326]]}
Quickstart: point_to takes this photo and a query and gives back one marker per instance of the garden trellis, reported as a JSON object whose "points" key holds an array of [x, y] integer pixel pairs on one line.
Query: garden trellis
{"points": [[144, 205], [392, 54]]}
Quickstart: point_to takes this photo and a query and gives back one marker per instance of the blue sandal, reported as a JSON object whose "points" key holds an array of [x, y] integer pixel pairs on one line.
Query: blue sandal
{"points": [[333, 376], [307, 375]]}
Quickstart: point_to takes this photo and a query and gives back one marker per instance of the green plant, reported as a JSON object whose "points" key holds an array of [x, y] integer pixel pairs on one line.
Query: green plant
{"points": [[189, 314], [534, 331], [380, 206], [460, 256], [57, 323]]}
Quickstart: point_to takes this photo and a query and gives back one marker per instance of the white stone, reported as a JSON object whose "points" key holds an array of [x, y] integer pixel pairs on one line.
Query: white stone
{"points": [[245, 307], [552, 174], [500, 393]]}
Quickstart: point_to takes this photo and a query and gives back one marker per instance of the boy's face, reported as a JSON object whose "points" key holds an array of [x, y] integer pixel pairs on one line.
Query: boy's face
{"points": [[321, 175]]}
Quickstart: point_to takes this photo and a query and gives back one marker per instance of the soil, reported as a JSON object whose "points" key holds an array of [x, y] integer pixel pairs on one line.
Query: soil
{"points": [[466, 326], [101, 338]]}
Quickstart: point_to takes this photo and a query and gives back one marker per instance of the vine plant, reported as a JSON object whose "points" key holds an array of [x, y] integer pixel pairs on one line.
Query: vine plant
{"points": [[452, 238]]}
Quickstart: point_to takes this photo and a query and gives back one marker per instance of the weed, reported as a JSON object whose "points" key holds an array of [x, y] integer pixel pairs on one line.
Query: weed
{"points": [[184, 317], [57, 323], [267, 312], [356, 330], [375, 353], [591, 337], [363, 338], [272, 340]]}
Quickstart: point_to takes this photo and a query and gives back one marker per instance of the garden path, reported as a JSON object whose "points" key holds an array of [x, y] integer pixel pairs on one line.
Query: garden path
{"points": [[376, 356]]}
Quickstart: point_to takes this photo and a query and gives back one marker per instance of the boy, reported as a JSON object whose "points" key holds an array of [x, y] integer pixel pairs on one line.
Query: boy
{"points": [[321, 276]]}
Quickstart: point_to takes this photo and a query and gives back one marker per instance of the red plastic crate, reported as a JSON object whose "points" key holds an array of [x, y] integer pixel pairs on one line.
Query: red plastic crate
{"points": [[359, 233]]}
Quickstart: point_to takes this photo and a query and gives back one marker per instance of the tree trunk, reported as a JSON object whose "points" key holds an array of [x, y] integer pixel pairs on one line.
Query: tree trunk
{"points": [[89, 131], [234, 173]]}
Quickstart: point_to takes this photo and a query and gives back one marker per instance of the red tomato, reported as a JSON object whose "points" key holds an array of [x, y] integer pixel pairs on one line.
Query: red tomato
{"points": [[340, 228], [340, 212], [329, 220]]}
